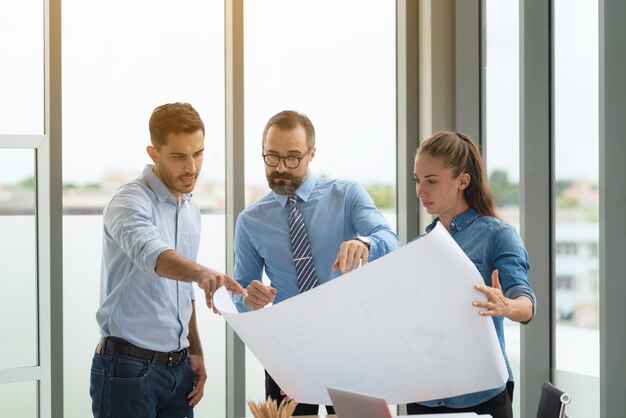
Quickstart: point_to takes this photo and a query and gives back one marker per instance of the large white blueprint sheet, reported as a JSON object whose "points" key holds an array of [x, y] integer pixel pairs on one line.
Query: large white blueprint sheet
{"points": [[402, 327]]}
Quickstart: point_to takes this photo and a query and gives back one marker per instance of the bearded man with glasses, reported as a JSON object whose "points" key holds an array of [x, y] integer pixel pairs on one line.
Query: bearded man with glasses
{"points": [[306, 231]]}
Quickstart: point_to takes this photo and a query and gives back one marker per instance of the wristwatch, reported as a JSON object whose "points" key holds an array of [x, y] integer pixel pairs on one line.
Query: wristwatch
{"points": [[365, 241]]}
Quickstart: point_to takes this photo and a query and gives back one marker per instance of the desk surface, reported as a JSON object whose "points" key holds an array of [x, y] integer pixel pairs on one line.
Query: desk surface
{"points": [[451, 415]]}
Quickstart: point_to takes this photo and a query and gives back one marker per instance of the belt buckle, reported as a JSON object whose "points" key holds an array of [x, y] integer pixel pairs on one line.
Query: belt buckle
{"points": [[183, 354], [173, 358]]}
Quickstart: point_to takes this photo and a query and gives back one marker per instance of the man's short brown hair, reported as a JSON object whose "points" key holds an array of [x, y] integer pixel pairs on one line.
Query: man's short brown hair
{"points": [[173, 118]]}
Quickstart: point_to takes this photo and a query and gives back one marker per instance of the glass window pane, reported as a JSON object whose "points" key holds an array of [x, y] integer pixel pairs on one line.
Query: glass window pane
{"points": [[19, 400], [157, 53], [18, 258], [342, 77], [22, 69], [576, 186], [502, 106], [502, 138], [82, 247]]}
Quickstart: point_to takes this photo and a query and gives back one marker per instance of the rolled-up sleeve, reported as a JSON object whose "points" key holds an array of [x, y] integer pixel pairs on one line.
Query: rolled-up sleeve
{"points": [[128, 220], [511, 260]]}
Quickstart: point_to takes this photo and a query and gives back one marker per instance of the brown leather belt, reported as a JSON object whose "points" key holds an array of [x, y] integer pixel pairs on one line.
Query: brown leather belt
{"points": [[117, 345]]}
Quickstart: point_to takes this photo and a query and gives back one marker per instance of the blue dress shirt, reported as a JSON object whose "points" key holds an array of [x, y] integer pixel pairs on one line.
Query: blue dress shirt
{"points": [[140, 222], [490, 244], [334, 211]]}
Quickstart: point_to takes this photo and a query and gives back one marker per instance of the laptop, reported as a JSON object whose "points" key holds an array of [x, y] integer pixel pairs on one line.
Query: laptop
{"points": [[350, 404]]}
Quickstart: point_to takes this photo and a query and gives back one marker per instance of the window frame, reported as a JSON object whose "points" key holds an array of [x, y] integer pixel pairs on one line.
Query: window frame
{"points": [[40, 373]]}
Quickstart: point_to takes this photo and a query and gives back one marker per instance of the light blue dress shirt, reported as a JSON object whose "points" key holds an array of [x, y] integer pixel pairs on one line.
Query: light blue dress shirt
{"points": [[334, 211], [490, 244], [141, 221]]}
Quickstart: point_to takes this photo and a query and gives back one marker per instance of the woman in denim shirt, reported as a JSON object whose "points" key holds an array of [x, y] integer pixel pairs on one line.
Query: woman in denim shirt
{"points": [[450, 182]]}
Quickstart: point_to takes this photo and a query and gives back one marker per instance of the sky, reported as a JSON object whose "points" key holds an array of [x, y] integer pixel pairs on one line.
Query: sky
{"points": [[339, 76], [338, 68]]}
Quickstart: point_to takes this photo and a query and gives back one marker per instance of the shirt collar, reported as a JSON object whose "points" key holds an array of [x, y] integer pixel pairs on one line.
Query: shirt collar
{"points": [[160, 190], [459, 222], [303, 192]]}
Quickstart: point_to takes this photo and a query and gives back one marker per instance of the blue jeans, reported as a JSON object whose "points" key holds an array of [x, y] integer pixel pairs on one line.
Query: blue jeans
{"points": [[125, 386]]}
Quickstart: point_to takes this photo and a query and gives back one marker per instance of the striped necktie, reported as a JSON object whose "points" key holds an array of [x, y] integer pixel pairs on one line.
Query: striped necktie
{"points": [[305, 269]]}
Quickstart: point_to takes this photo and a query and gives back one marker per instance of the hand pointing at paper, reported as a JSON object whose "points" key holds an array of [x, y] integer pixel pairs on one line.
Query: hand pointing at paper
{"points": [[259, 295], [351, 255]]}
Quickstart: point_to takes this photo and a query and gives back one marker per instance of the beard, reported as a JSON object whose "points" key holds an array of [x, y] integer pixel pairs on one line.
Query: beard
{"points": [[284, 188], [175, 183]]}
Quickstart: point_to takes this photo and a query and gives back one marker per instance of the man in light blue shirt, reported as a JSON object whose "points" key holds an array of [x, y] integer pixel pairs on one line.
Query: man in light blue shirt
{"points": [[149, 362], [343, 226]]}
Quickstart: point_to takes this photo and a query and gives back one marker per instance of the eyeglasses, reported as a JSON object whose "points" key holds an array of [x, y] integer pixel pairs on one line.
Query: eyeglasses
{"points": [[290, 162]]}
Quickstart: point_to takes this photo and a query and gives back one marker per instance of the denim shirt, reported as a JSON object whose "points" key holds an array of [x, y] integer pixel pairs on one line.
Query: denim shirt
{"points": [[490, 244]]}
